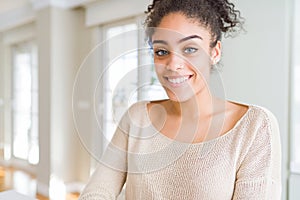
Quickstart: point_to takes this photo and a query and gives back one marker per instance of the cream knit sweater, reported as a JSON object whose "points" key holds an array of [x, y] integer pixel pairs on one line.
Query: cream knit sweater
{"points": [[244, 163]]}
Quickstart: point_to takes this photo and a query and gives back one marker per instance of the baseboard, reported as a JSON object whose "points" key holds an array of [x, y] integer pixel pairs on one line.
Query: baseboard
{"points": [[5, 163], [74, 187], [42, 189], [20, 165]]}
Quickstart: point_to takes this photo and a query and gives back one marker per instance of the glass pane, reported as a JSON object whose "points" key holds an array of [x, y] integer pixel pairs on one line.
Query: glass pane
{"points": [[25, 103], [22, 104]]}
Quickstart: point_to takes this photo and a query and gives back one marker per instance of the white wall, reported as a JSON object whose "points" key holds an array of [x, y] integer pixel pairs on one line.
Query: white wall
{"points": [[294, 183], [65, 60], [62, 47], [1, 98], [256, 64], [85, 103], [44, 62]]}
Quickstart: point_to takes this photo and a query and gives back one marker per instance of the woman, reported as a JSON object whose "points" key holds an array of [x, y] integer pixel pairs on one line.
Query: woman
{"points": [[192, 145]]}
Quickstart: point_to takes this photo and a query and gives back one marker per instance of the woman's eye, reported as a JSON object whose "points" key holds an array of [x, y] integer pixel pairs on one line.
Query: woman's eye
{"points": [[161, 52], [190, 50]]}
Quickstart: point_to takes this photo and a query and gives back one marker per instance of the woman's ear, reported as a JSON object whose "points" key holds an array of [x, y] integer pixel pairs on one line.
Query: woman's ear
{"points": [[216, 53]]}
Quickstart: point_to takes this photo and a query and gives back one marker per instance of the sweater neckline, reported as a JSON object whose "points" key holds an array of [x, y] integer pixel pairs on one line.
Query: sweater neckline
{"points": [[214, 140]]}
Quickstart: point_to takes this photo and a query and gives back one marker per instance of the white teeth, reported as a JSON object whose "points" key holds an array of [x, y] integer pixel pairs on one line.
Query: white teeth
{"points": [[178, 80]]}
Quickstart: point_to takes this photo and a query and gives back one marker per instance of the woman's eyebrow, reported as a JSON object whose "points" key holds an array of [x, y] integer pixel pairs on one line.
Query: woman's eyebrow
{"points": [[180, 41], [190, 37], [159, 41]]}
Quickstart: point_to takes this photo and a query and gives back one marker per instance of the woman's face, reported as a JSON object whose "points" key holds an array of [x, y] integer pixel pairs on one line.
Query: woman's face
{"points": [[183, 56]]}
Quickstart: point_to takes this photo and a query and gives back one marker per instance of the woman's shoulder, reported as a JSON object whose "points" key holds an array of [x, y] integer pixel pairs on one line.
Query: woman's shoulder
{"points": [[137, 114], [254, 111], [263, 113], [266, 119], [258, 126], [258, 119]]}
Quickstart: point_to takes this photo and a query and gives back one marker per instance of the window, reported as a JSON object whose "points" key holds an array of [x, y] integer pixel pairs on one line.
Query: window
{"points": [[25, 103], [295, 91], [129, 74]]}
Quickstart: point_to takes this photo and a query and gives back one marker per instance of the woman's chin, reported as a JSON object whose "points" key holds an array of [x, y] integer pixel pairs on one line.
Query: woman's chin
{"points": [[180, 98]]}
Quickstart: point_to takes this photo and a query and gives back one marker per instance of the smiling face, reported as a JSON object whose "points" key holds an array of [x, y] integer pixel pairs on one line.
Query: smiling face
{"points": [[183, 56]]}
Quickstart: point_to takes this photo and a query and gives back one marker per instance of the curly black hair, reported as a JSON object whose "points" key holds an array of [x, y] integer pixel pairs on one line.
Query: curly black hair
{"points": [[219, 16]]}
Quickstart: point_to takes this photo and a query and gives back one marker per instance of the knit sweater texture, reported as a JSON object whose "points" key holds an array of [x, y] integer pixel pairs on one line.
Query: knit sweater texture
{"points": [[243, 163]]}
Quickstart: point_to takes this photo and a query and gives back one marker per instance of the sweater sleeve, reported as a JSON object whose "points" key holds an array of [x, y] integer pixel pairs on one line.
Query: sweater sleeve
{"points": [[108, 179], [258, 176]]}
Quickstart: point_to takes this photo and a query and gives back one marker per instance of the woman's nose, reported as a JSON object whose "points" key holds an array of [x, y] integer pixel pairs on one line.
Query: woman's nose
{"points": [[175, 62]]}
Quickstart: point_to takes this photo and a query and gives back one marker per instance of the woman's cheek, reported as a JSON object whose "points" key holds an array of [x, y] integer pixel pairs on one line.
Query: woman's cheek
{"points": [[159, 68], [200, 64]]}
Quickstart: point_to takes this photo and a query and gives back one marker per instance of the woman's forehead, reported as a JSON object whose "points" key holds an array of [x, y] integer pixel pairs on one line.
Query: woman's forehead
{"points": [[179, 20], [177, 26]]}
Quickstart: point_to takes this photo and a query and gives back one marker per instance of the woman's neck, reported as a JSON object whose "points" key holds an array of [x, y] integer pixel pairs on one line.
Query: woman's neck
{"points": [[200, 105]]}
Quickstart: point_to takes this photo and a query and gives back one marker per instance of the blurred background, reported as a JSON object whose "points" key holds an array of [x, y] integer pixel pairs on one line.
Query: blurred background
{"points": [[65, 80]]}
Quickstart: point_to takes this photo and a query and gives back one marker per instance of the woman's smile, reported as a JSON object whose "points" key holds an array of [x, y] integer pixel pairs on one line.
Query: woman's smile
{"points": [[178, 81]]}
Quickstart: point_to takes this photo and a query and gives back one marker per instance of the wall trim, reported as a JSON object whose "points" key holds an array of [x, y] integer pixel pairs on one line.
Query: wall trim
{"points": [[40, 4], [16, 17], [5, 163], [103, 12], [20, 34], [19, 165]]}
